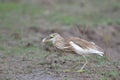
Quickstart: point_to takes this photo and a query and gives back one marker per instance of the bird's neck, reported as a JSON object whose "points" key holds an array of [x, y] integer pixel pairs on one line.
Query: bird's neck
{"points": [[58, 39]]}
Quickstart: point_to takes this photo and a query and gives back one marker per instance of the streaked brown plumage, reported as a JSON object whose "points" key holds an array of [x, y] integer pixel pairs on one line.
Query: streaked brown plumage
{"points": [[75, 44], [84, 44]]}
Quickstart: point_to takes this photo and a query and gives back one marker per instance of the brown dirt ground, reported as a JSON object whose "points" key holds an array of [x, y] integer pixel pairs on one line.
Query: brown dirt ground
{"points": [[14, 67], [27, 61]]}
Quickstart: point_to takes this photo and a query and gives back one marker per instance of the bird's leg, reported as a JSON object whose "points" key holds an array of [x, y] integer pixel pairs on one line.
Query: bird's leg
{"points": [[86, 61], [81, 70], [78, 63], [47, 56]]}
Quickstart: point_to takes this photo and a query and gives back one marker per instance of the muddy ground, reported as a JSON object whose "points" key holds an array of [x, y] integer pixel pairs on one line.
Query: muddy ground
{"points": [[23, 26], [30, 63]]}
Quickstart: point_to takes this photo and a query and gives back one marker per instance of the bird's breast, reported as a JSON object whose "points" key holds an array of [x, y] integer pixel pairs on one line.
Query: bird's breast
{"points": [[59, 45]]}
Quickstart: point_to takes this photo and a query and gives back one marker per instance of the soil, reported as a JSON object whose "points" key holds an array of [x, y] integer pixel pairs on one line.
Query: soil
{"points": [[22, 57], [21, 67]]}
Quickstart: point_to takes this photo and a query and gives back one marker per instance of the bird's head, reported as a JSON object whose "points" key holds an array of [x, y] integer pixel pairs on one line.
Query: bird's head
{"points": [[52, 37]]}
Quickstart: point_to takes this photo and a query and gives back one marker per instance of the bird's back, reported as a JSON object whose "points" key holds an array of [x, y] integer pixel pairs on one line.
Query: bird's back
{"points": [[62, 44], [85, 46]]}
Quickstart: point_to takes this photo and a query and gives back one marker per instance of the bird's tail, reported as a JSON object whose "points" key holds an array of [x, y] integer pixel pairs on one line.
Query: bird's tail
{"points": [[96, 52], [100, 53]]}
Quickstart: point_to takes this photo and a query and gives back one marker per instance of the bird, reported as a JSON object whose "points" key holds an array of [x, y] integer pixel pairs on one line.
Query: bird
{"points": [[75, 45]]}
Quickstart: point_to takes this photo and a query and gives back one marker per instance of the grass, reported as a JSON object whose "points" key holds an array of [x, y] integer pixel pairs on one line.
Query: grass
{"points": [[112, 74], [15, 14], [6, 7], [12, 14], [62, 18], [31, 53], [1, 37], [20, 8], [101, 60], [86, 15], [91, 18], [12, 17], [104, 78], [2, 48]]}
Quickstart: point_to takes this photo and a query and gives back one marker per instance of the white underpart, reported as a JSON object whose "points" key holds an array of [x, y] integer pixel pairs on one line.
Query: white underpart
{"points": [[81, 51], [53, 40]]}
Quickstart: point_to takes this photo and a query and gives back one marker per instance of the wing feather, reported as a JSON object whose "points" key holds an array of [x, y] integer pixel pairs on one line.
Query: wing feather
{"points": [[84, 44]]}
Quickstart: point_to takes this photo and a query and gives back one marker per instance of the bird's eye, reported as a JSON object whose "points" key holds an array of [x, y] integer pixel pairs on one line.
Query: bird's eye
{"points": [[51, 36]]}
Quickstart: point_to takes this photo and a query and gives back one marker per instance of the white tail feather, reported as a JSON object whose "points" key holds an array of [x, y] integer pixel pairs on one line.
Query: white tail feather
{"points": [[96, 52], [80, 50]]}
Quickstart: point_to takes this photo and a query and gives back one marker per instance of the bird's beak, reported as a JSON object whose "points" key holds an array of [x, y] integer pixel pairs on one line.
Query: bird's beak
{"points": [[45, 40]]}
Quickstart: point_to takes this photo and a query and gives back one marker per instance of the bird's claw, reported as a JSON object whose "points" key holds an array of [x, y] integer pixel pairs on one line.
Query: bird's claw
{"points": [[80, 71], [67, 70]]}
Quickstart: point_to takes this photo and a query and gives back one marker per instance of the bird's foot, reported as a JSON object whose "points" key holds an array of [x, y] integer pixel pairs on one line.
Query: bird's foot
{"points": [[67, 70], [80, 71]]}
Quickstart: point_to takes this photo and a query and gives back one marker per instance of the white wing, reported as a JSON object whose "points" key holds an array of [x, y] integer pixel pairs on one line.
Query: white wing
{"points": [[80, 50]]}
